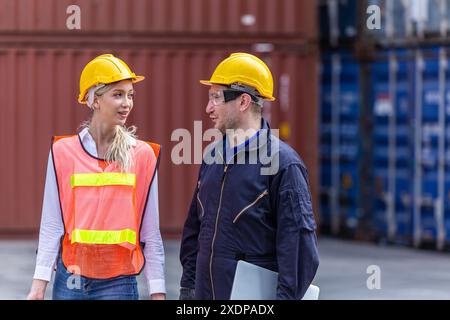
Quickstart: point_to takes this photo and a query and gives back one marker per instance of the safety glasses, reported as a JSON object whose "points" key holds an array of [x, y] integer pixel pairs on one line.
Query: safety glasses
{"points": [[226, 95]]}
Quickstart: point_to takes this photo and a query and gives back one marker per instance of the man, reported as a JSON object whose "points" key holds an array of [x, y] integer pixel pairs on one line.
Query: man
{"points": [[253, 201]]}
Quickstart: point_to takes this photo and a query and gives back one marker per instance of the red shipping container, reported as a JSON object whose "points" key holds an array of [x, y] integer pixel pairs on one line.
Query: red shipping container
{"points": [[186, 17]]}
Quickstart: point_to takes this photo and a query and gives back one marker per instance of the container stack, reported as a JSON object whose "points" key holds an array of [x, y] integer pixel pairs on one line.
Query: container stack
{"points": [[386, 92]]}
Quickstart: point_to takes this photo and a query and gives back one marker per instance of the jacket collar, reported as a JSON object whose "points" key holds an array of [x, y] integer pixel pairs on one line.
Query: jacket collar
{"points": [[262, 139]]}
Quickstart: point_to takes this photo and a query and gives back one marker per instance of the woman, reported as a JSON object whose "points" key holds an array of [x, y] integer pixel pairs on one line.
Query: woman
{"points": [[99, 222]]}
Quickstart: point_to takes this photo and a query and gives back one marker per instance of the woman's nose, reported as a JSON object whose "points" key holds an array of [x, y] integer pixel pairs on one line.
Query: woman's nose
{"points": [[127, 102]]}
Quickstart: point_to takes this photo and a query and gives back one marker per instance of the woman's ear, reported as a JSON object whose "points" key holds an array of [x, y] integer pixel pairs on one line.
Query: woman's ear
{"points": [[95, 104]]}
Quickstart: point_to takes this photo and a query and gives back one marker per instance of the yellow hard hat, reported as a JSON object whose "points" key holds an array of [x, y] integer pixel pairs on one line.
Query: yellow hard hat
{"points": [[104, 69], [246, 69]]}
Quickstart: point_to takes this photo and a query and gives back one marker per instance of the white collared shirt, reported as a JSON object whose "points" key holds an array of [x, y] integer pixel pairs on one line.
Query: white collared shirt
{"points": [[52, 228]]}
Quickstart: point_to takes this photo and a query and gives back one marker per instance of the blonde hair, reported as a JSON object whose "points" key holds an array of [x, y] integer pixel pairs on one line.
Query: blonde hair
{"points": [[119, 150]]}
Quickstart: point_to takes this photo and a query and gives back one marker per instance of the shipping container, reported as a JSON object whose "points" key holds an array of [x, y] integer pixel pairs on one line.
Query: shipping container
{"points": [[223, 18], [387, 23], [340, 152], [338, 21], [392, 105], [431, 176], [394, 18]]}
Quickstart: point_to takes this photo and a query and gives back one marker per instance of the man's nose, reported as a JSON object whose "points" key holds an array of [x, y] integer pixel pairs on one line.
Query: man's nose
{"points": [[209, 107]]}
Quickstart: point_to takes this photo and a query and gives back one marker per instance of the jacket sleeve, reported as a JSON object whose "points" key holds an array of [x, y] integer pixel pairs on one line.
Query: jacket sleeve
{"points": [[297, 253], [189, 245]]}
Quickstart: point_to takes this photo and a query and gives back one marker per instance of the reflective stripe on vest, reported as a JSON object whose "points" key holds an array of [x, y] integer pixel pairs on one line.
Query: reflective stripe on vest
{"points": [[103, 237], [102, 179], [102, 207]]}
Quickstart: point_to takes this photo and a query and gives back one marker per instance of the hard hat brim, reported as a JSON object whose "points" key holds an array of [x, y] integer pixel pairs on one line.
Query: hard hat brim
{"points": [[134, 79], [209, 83]]}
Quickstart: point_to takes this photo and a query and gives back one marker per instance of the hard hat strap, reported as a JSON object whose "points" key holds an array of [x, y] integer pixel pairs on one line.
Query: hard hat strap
{"points": [[237, 89], [247, 89]]}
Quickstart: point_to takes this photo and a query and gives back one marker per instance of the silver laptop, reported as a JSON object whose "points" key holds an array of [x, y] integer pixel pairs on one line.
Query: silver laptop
{"points": [[252, 282]]}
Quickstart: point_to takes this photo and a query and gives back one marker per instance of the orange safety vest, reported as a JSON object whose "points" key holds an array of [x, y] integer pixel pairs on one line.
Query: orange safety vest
{"points": [[102, 208]]}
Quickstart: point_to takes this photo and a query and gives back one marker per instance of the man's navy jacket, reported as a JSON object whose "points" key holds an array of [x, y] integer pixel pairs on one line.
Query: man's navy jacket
{"points": [[259, 211]]}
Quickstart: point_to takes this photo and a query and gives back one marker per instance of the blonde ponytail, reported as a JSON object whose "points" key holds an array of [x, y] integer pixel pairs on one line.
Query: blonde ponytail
{"points": [[120, 149]]}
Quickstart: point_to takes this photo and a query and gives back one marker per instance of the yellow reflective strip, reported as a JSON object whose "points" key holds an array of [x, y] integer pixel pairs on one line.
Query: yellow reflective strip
{"points": [[103, 237], [102, 179]]}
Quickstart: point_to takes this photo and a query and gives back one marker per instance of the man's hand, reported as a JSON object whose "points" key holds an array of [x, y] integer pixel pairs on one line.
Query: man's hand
{"points": [[187, 293], [37, 291]]}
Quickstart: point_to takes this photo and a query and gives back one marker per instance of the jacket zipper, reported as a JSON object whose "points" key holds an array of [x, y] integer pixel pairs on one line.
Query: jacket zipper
{"points": [[217, 220], [250, 205], [215, 230], [198, 199]]}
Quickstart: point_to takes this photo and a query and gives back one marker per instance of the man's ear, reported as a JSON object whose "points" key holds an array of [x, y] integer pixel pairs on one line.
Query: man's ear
{"points": [[245, 102]]}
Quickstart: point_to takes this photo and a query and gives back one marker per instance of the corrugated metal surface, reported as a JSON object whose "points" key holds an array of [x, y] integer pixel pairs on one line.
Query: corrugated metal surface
{"points": [[39, 90], [41, 65], [182, 16]]}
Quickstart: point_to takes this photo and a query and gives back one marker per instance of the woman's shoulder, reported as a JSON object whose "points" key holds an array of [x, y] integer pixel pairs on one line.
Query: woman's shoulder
{"points": [[63, 140], [148, 147]]}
